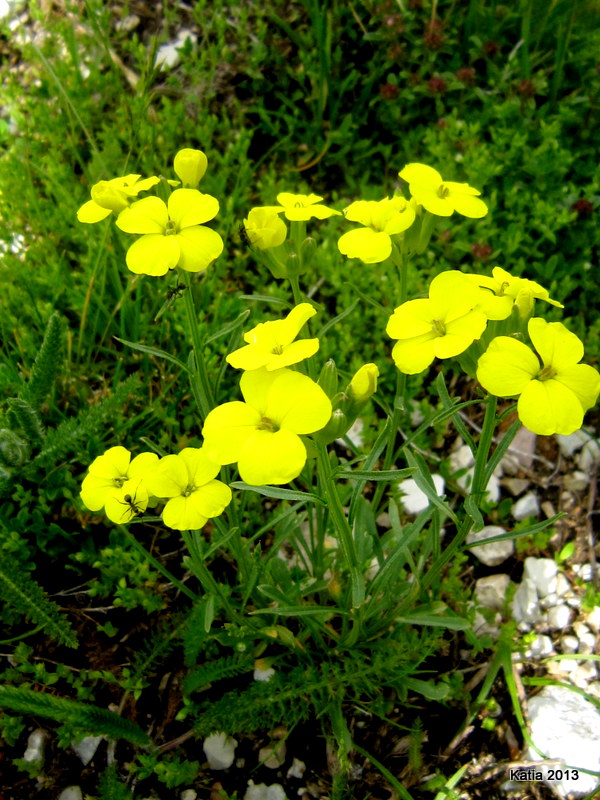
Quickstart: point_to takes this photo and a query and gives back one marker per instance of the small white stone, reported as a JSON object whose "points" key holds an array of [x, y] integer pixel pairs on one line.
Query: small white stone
{"points": [[491, 591], [549, 601], [521, 451], [189, 794], [589, 456], [543, 572], [260, 791], [273, 755], [355, 434], [525, 607], [587, 642], [592, 619], [594, 689], [562, 584], [559, 617], [71, 793], [573, 442], [128, 23], [481, 627], [413, 499], [86, 748], [516, 486], [569, 644], [526, 506], [561, 667], [566, 726], [577, 481], [490, 554], [583, 571], [297, 769], [540, 647], [585, 673], [36, 743], [168, 55], [219, 750], [263, 674]]}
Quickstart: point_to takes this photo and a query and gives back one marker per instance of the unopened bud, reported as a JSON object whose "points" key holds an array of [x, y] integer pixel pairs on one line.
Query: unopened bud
{"points": [[337, 426], [328, 379], [190, 166], [364, 383]]}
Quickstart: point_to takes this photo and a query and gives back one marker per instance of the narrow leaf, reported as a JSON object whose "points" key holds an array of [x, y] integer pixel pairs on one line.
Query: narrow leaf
{"points": [[279, 494], [154, 351]]}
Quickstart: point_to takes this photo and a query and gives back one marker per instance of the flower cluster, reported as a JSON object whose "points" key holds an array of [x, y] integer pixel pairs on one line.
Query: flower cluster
{"points": [[185, 482], [172, 233]]}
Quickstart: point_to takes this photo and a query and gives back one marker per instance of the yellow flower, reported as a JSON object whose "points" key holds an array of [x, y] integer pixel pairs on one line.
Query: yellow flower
{"points": [[129, 501], [442, 326], [272, 345], [263, 433], [555, 389], [188, 481], [441, 197], [113, 196], [264, 228], [302, 207], [173, 235], [502, 291], [364, 383], [381, 219], [190, 166], [111, 476]]}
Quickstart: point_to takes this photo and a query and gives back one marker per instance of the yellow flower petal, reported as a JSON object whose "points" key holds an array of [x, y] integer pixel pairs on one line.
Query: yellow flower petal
{"points": [[182, 514], [142, 464], [227, 428], [212, 498], [114, 463], [271, 458], [547, 407], [95, 490], [460, 334], [441, 207], [368, 245], [190, 166], [468, 206], [144, 216], [413, 318], [169, 479], [153, 254], [201, 469], [556, 345], [414, 355], [507, 367], [199, 247], [189, 207], [293, 354], [251, 356], [91, 212], [421, 174], [295, 402], [460, 188], [583, 381], [291, 326]]}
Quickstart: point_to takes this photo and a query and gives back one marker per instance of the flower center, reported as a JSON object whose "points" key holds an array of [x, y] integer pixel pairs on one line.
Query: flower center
{"points": [[438, 327], [171, 228], [503, 286], [118, 482], [443, 192], [189, 489], [267, 424], [277, 350], [546, 373]]}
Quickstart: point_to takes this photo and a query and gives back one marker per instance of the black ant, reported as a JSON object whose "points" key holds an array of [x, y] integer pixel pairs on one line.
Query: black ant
{"points": [[132, 507], [172, 294], [243, 233]]}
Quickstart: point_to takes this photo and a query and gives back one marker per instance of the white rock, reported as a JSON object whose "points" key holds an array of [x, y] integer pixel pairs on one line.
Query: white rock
{"points": [[572, 600], [569, 644], [491, 554], [128, 23], [592, 619], [461, 459], [559, 617], [273, 755], [516, 486], [594, 689], [585, 673], [577, 481], [540, 647], [71, 793], [36, 744], [562, 584], [583, 571], [573, 442], [297, 769], [587, 642], [521, 452], [561, 667], [526, 506], [549, 601], [589, 456], [189, 794], [525, 607], [219, 750], [263, 674], [566, 726], [543, 572], [168, 55], [414, 500], [491, 591], [355, 434], [481, 627], [261, 791], [86, 748]]}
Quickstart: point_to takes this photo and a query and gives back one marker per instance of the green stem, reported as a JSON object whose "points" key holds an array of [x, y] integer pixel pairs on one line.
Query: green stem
{"points": [[485, 442], [341, 525], [156, 564], [199, 379]]}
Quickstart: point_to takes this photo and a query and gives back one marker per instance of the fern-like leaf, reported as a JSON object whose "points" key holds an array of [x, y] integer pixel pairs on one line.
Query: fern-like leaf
{"points": [[47, 363], [111, 788], [23, 416], [217, 670], [23, 593], [88, 718]]}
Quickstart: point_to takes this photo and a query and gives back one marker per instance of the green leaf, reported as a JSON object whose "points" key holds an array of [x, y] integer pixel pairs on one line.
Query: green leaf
{"points": [[154, 351], [374, 475], [436, 615], [264, 298], [422, 477], [337, 319], [429, 689], [279, 494], [232, 326], [473, 511]]}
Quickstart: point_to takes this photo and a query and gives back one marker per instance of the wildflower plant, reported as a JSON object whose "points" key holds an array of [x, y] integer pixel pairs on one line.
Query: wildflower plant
{"points": [[354, 588]]}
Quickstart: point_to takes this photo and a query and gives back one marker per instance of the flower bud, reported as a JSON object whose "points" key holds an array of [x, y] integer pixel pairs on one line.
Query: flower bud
{"points": [[524, 301], [364, 383], [336, 427], [14, 450], [307, 249], [328, 379], [264, 228], [190, 166], [105, 195]]}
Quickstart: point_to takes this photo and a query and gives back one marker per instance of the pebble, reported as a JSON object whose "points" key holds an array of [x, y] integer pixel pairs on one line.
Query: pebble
{"points": [[521, 452], [263, 674], [461, 460], [525, 608], [36, 744], [188, 794], [516, 486], [576, 482], [540, 647], [260, 791], [568, 445], [273, 755], [562, 584], [526, 506], [86, 748], [559, 617], [71, 793], [128, 23], [569, 644], [355, 434], [543, 573], [490, 554], [219, 750], [413, 499], [585, 673], [297, 769], [589, 456], [572, 600], [491, 591], [168, 55], [481, 627], [564, 725], [583, 571], [592, 619]]}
